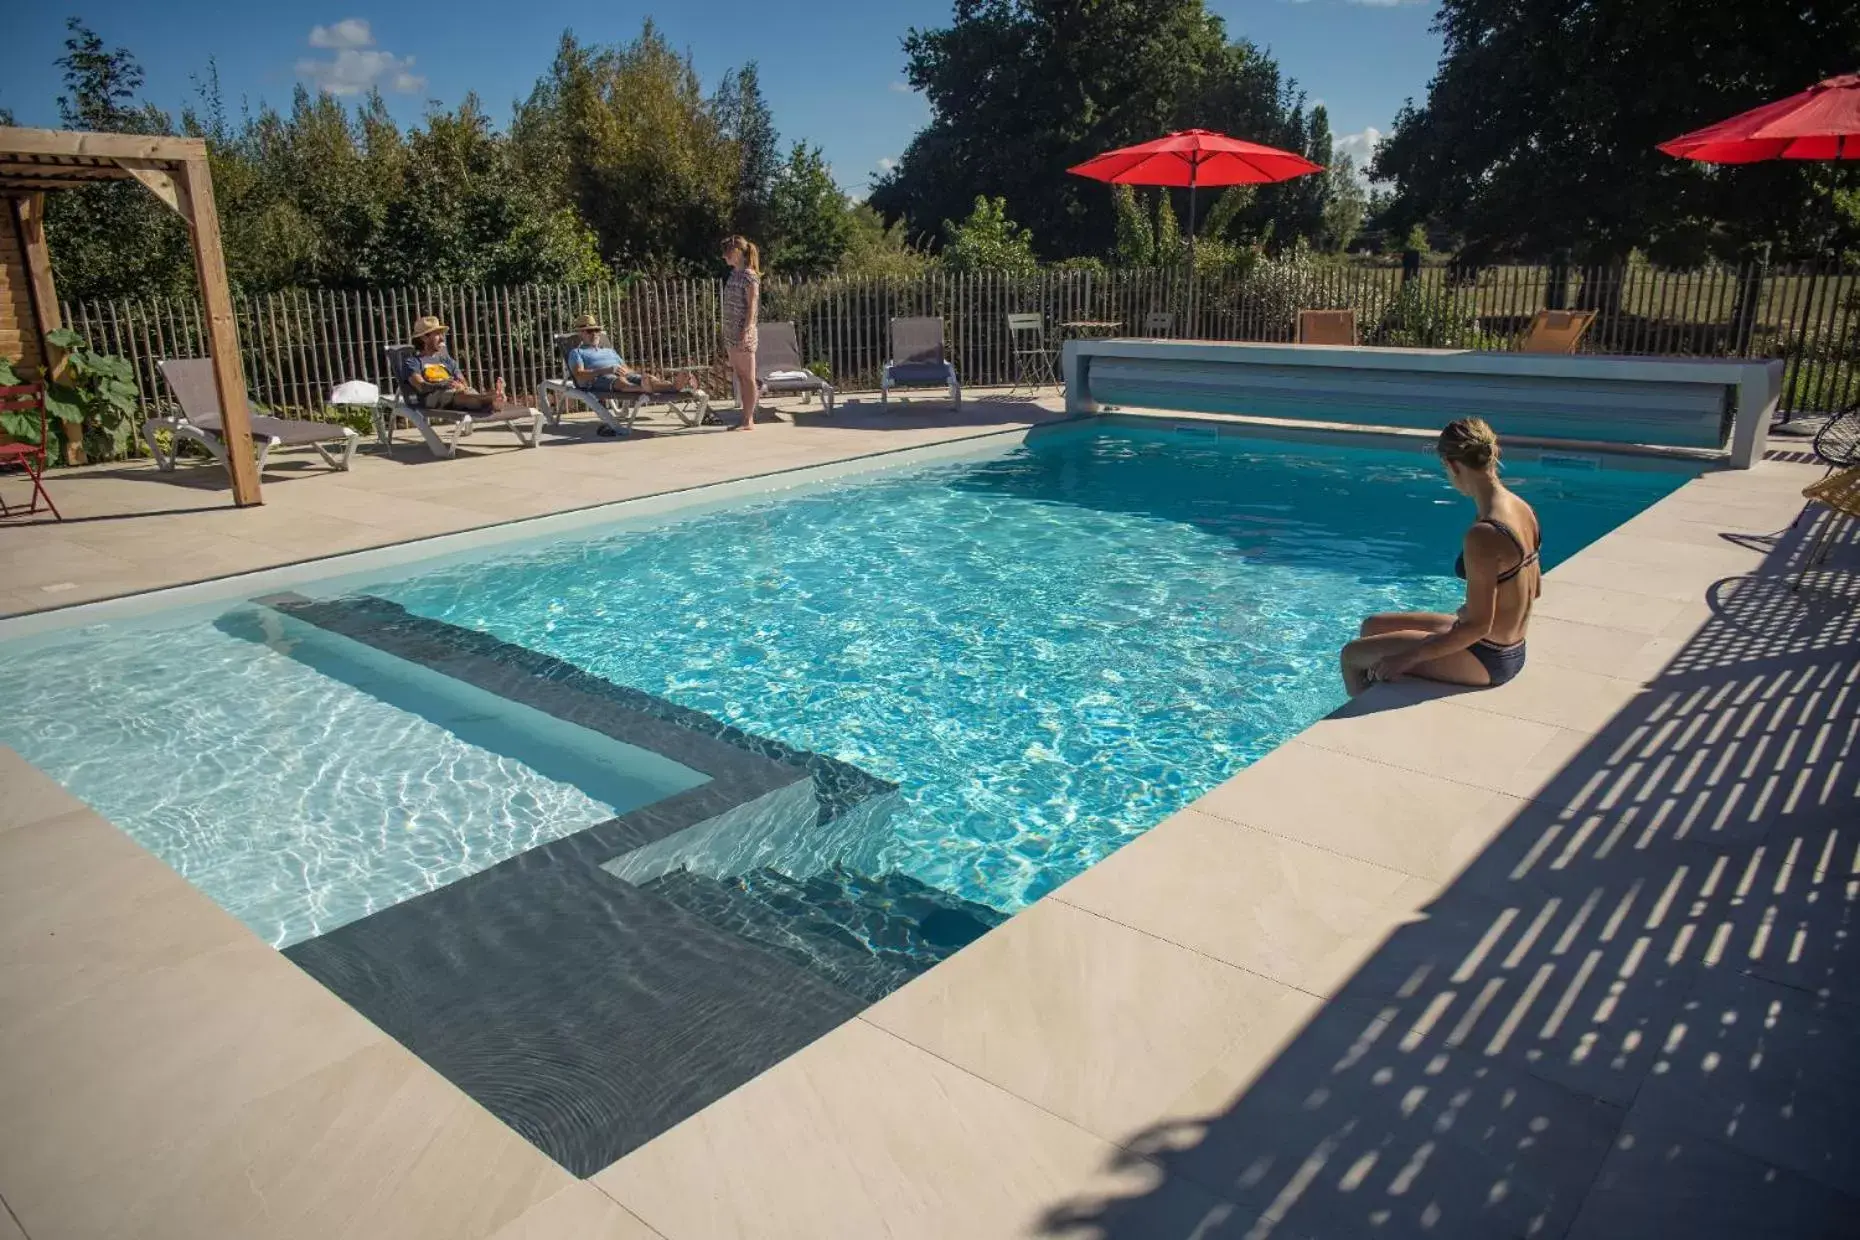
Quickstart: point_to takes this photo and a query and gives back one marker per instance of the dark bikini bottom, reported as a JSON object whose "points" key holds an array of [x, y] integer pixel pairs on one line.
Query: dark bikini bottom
{"points": [[1501, 663]]}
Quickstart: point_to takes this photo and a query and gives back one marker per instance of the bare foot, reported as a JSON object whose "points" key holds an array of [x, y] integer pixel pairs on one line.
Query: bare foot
{"points": [[497, 395]]}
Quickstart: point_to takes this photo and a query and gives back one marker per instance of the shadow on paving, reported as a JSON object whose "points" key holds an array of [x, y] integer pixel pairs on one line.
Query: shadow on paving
{"points": [[1636, 1013]]}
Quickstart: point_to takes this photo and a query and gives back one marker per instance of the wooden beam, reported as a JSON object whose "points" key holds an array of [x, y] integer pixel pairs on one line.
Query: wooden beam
{"points": [[203, 224], [29, 214], [102, 145], [84, 172], [22, 185], [156, 179]]}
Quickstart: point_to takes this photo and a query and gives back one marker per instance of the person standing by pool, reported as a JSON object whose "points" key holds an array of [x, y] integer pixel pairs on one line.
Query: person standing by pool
{"points": [[742, 302], [1483, 644]]}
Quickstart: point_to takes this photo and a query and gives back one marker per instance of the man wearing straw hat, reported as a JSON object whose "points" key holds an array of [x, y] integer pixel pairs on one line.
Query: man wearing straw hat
{"points": [[598, 367], [435, 377]]}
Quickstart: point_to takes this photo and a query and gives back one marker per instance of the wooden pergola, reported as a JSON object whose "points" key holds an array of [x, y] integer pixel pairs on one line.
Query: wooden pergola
{"points": [[34, 162]]}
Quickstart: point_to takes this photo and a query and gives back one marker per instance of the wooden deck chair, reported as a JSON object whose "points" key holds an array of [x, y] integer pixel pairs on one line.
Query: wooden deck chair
{"points": [[1556, 331], [1327, 327]]}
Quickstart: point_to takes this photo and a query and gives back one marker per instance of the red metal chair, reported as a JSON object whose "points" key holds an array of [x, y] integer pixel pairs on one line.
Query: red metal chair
{"points": [[29, 456]]}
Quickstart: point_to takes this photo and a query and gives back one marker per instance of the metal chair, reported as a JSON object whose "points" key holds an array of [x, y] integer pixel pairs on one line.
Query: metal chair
{"points": [[1033, 356], [30, 456], [1839, 493]]}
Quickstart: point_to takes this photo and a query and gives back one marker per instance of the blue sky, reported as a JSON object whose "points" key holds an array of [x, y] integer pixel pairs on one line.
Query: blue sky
{"points": [[832, 69]]}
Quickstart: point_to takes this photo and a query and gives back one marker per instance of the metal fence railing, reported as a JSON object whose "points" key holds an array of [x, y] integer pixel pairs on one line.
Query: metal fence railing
{"points": [[297, 345]]}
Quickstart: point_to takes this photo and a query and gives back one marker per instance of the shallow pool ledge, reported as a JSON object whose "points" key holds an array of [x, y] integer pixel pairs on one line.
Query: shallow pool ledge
{"points": [[1722, 405]]}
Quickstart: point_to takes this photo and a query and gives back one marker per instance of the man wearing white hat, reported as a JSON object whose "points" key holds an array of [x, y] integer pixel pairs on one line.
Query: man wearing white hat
{"points": [[434, 375]]}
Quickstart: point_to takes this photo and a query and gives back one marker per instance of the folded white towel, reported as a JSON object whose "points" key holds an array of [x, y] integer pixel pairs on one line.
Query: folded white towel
{"points": [[791, 374], [355, 392]]}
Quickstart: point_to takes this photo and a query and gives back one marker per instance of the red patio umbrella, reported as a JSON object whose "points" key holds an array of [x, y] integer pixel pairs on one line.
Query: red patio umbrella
{"points": [[1823, 122], [1193, 158]]}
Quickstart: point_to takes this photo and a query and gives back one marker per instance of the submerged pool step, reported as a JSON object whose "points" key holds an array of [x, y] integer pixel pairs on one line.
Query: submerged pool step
{"points": [[866, 935]]}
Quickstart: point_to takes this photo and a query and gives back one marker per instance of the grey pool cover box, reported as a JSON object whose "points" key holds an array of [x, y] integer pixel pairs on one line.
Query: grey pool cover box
{"points": [[1699, 403]]}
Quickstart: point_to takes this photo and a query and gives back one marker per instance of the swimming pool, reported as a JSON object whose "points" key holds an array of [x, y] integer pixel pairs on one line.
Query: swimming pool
{"points": [[1046, 650]]}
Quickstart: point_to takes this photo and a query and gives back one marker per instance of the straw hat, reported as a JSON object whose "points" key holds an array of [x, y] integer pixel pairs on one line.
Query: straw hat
{"points": [[425, 326], [588, 322]]}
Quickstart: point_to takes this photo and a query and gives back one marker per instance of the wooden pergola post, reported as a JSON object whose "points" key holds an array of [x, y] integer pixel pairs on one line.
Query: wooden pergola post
{"points": [[175, 170]]}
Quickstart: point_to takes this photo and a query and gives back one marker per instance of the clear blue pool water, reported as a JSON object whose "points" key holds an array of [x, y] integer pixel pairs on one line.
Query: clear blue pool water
{"points": [[1049, 651]]}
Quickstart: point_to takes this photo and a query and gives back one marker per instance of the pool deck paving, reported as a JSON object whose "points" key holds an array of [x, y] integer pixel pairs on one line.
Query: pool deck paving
{"points": [[1572, 957]]}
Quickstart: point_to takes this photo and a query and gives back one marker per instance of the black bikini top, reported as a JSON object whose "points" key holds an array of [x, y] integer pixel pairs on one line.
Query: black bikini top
{"points": [[1529, 557]]}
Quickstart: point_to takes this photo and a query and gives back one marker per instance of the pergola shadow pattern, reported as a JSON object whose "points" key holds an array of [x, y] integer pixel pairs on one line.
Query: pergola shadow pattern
{"points": [[1635, 1013]]}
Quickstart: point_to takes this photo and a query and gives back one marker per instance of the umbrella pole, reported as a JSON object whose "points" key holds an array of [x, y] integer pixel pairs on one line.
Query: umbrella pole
{"points": [[1193, 171]]}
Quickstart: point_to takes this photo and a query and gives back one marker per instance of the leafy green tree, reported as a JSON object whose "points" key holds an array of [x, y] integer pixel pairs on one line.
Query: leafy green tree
{"points": [[989, 241], [1020, 90], [114, 239], [641, 153], [808, 226], [1135, 244], [744, 118], [875, 249], [1538, 132], [1344, 206]]}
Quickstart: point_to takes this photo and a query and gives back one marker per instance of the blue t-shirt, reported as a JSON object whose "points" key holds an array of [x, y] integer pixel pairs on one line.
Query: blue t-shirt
{"points": [[428, 369], [584, 357]]}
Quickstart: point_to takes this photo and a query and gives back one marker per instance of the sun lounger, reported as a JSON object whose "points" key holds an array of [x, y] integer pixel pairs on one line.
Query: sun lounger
{"points": [[779, 368], [618, 410], [1327, 327], [1556, 331], [191, 381], [917, 359], [525, 423]]}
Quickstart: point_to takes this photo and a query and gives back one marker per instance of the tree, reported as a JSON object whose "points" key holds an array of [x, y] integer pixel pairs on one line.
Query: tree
{"points": [[744, 118], [808, 228], [1537, 136], [875, 249], [1020, 90], [989, 241], [639, 151], [116, 238], [1344, 207]]}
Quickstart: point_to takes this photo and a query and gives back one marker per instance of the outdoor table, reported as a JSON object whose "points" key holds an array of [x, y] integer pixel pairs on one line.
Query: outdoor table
{"points": [[1091, 329]]}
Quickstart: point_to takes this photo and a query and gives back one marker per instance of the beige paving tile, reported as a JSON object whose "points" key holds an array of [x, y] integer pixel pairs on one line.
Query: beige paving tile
{"points": [[51, 560], [1263, 903], [407, 1155], [862, 1134], [1443, 738], [129, 1080], [9, 1230], [1682, 583], [1664, 1178], [1341, 1129], [578, 1212], [1566, 698], [1613, 609], [82, 905], [1419, 824], [1087, 1018], [1620, 653], [31, 795]]}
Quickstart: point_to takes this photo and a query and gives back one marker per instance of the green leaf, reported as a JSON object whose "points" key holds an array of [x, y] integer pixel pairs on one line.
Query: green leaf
{"points": [[21, 426], [64, 338], [64, 403], [9, 377]]}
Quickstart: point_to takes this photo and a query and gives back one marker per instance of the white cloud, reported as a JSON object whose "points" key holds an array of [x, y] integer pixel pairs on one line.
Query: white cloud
{"points": [[358, 65], [1360, 147], [887, 164], [1386, 4], [349, 32], [901, 88]]}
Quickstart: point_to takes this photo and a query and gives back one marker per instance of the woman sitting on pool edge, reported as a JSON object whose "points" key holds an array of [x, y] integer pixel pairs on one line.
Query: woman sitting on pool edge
{"points": [[1484, 643]]}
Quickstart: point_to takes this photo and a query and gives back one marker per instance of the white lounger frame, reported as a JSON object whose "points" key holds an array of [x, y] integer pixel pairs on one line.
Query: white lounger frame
{"points": [[392, 409], [184, 431]]}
